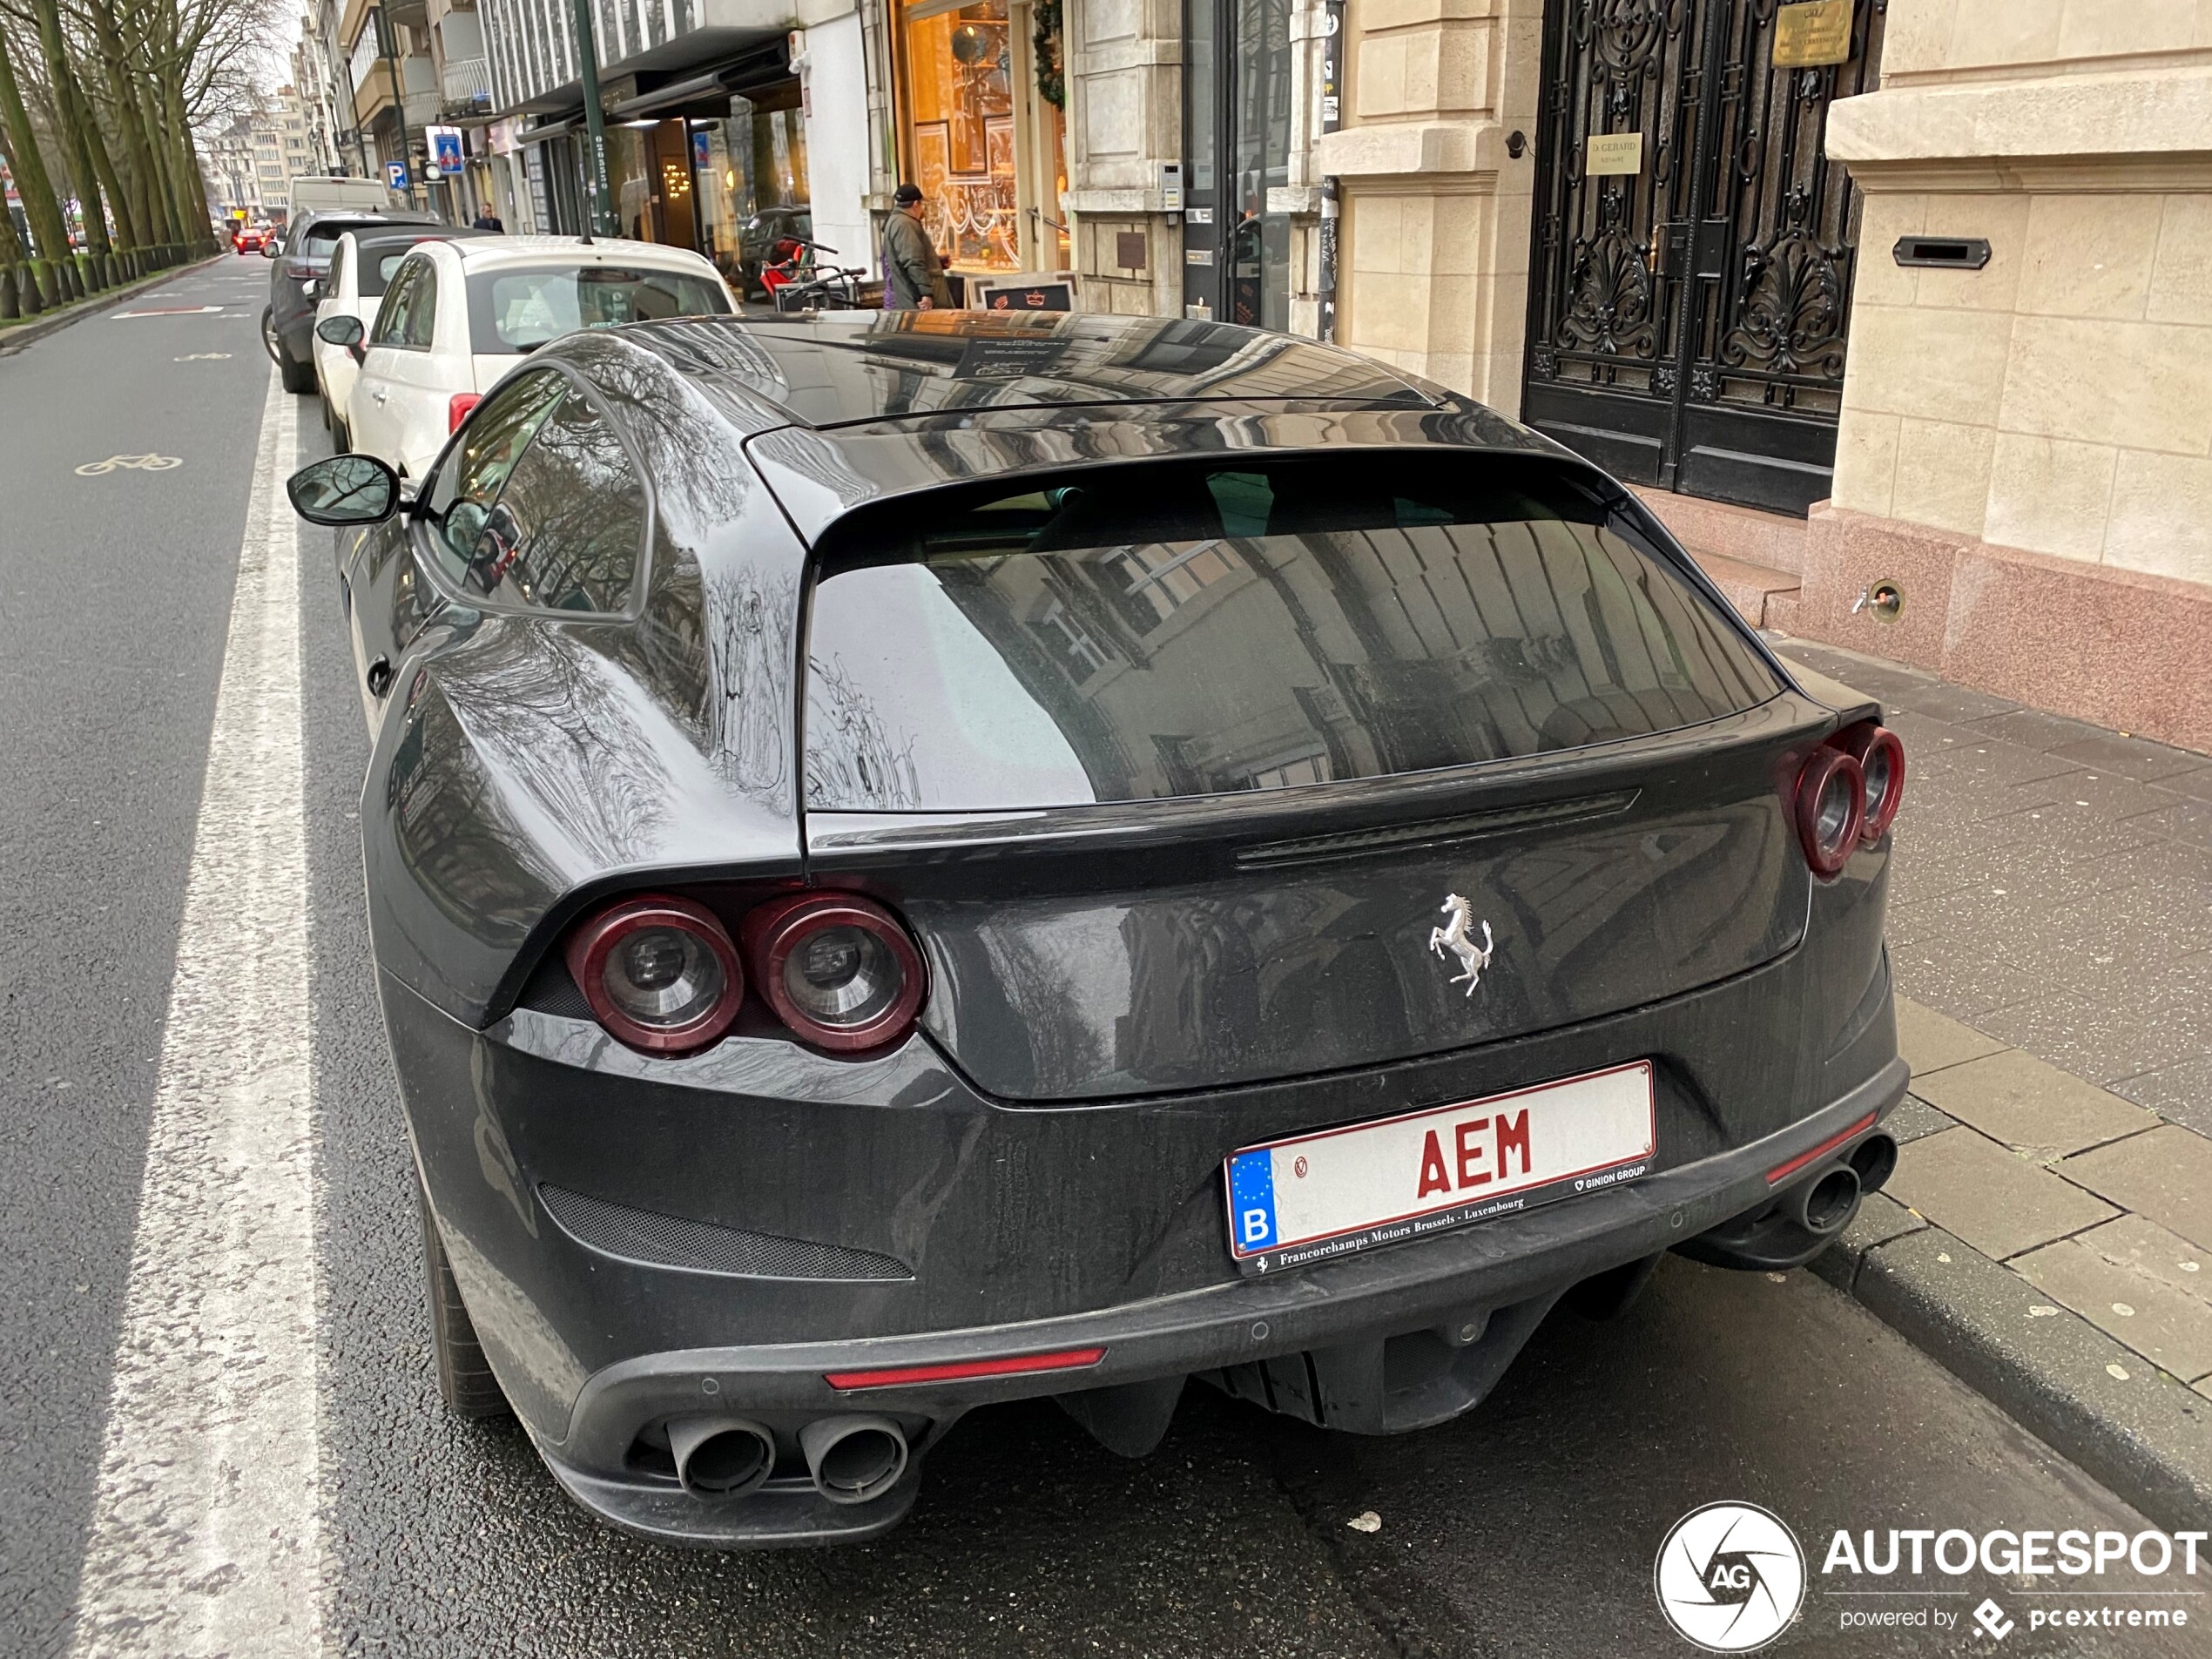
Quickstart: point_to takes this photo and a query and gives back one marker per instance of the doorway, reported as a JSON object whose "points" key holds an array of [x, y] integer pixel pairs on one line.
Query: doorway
{"points": [[1238, 90], [1691, 270]]}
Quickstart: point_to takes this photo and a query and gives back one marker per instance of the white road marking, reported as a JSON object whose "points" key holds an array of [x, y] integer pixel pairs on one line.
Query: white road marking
{"points": [[204, 1537], [166, 311], [129, 463]]}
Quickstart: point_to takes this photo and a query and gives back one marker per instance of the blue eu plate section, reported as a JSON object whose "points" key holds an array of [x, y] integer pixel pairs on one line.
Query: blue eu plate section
{"points": [[1252, 1198]]}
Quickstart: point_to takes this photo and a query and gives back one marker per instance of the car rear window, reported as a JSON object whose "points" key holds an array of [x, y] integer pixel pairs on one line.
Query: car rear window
{"points": [[512, 310], [1206, 628], [378, 265]]}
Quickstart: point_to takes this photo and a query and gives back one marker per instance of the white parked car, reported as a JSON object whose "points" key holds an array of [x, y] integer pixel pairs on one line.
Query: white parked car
{"points": [[362, 263], [459, 314]]}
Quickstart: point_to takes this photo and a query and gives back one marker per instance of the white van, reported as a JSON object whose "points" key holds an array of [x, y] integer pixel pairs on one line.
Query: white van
{"points": [[322, 195]]}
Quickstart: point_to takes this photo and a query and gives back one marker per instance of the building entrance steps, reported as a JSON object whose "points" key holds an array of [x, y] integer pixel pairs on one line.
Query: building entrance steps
{"points": [[1753, 557]]}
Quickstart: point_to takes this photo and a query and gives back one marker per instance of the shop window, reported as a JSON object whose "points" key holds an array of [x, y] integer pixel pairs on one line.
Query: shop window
{"points": [[960, 87], [750, 170]]}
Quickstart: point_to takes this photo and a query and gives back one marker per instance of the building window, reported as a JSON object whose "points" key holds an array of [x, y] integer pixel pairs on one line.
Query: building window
{"points": [[978, 136]]}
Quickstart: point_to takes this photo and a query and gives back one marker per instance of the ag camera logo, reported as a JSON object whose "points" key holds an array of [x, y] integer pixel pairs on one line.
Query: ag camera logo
{"points": [[1730, 1577]]}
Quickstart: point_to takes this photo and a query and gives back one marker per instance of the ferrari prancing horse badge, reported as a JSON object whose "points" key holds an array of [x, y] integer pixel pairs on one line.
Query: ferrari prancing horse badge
{"points": [[1454, 934]]}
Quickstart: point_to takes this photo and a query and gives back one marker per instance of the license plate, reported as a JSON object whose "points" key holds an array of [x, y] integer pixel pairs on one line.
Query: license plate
{"points": [[1321, 1195]]}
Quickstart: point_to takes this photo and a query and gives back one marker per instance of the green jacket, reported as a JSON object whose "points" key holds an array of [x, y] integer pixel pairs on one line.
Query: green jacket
{"points": [[912, 271]]}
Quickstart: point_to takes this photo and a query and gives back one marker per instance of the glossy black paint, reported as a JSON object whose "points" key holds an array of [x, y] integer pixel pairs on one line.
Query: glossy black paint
{"points": [[1226, 939], [1045, 1155]]}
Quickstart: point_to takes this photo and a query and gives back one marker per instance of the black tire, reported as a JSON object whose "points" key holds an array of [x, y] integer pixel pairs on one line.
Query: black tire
{"points": [[325, 400], [269, 334], [465, 1382], [341, 439], [297, 377]]}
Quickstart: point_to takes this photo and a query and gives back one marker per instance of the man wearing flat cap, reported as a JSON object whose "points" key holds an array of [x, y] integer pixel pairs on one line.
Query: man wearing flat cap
{"points": [[914, 277]]}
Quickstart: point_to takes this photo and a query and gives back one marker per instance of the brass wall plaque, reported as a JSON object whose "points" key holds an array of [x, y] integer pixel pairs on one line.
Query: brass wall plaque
{"points": [[1811, 33], [1613, 152], [1129, 250]]}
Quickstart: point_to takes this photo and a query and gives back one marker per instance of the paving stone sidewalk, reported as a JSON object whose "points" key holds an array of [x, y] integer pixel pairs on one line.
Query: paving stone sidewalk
{"points": [[2049, 1228]]}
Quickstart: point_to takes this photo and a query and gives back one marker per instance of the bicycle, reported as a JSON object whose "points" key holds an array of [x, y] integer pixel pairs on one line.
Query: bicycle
{"points": [[800, 282]]}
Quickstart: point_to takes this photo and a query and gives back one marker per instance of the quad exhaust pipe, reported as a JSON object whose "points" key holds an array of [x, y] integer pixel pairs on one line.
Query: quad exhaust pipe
{"points": [[1824, 1203], [1874, 1161], [1804, 1218], [721, 1457], [853, 1458]]}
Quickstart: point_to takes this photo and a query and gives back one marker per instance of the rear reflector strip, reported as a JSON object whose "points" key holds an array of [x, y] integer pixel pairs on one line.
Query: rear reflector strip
{"points": [[1784, 1171], [961, 1370]]}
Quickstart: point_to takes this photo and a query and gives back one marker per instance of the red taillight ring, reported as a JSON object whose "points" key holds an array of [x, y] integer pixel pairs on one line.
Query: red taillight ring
{"points": [[1861, 743], [1814, 784], [588, 950], [774, 930]]}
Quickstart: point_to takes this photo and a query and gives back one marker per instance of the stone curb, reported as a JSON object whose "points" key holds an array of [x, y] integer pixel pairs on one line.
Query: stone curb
{"points": [[2104, 1407], [18, 335]]}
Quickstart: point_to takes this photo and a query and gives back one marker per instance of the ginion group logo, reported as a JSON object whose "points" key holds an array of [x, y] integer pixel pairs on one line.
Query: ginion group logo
{"points": [[1730, 1577]]}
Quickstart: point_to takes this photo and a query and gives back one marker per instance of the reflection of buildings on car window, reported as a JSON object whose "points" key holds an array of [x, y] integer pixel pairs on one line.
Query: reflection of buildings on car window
{"points": [[1068, 638], [1162, 578], [1388, 642]]}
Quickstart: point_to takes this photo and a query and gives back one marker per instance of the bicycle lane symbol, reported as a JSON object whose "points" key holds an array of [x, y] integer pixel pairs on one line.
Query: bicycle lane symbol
{"points": [[133, 463]]}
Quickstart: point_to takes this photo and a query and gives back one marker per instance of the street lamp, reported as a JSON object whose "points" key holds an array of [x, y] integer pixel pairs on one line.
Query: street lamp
{"points": [[595, 121], [388, 43]]}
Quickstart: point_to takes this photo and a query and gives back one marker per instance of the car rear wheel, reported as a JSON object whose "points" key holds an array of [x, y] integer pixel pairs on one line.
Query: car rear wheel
{"points": [[465, 1382], [297, 377], [342, 441]]}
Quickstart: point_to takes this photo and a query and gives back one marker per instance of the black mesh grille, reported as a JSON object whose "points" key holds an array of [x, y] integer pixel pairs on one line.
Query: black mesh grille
{"points": [[551, 990], [670, 1241]]}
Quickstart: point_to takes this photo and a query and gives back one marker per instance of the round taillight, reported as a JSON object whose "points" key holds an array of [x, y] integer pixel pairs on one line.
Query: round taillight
{"points": [[839, 971], [1881, 759], [659, 972], [1831, 808]]}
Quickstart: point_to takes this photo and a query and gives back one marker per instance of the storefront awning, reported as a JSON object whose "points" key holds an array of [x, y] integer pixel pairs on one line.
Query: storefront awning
{"points": [[737, 77], [545, 130]]}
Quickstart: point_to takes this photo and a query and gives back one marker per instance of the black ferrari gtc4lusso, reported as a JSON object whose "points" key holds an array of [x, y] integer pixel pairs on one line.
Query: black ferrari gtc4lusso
{"points": [[916, 860]]}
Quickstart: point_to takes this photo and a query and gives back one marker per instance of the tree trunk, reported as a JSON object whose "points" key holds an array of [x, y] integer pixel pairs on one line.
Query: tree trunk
{"points": [[138, 151], [72, 122], [32, 183], [161, 156], [192, 189], [118, 199], [12, 251]]}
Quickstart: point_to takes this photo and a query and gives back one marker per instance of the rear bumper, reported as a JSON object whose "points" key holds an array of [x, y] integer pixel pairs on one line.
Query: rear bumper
{"points": [[1451, 1282]]}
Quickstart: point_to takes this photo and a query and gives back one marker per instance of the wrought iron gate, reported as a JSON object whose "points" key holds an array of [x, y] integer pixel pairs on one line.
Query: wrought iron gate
{"points": [[1687, 313]]}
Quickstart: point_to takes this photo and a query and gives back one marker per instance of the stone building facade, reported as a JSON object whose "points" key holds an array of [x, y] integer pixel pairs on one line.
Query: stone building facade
{"points": [[2026, 449], [1679, 236]]}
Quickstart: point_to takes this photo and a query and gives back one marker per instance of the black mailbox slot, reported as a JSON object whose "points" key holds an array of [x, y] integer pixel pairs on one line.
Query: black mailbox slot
{"points": [[1944, 253]]}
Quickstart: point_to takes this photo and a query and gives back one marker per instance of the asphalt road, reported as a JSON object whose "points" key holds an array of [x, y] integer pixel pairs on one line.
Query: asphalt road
{"points": [[1528, 1527]]}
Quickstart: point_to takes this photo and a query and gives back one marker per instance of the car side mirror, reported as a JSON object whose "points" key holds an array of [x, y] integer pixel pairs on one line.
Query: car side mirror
{"points": [[343, 331], [268, 250], [311, 289], [345, 489]]}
